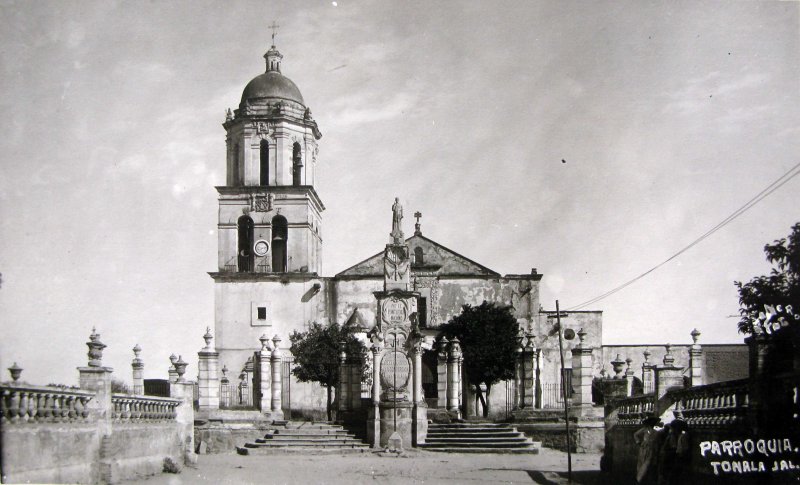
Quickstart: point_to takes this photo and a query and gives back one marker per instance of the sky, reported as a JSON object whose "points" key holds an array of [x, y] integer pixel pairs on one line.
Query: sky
{"points": [[591, 140]]}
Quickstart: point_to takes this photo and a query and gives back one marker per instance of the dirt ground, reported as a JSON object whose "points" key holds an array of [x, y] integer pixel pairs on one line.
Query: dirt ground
{"points": [[548, 467]]}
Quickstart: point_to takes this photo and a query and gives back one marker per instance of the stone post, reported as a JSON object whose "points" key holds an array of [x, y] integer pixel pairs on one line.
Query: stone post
{"points": [[184, 391], [138, 371], [343, 394], [529, 373], [582, 372], [265, 375], [696, 360], [417, 350], [453, 383], [629, 375], [518, 373], [95, 377], [277, 411], [355, 384], [648, 375], [375, 431], [441, 371], [173, 375], [669, 376], [208, 377]]}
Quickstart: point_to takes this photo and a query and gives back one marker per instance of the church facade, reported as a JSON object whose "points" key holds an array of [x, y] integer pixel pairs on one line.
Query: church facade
{"points": [[268, 282]]}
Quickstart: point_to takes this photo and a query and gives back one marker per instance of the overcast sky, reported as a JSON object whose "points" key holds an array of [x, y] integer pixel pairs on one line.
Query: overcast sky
{"points": [[669, 115]]}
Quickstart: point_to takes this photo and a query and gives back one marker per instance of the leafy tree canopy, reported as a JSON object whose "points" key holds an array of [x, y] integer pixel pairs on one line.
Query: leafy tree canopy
{"points": [[487, 334], [777, 293], [317, 352]]}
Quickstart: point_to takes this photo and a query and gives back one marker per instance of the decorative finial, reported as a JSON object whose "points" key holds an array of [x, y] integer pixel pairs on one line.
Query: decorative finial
{"points": [[173, 358], [417, 226], [180, 368], [95, 349], [15, 371], [695, 337], [617, 364], [229, 115], [581, 336], [669, 359], [208, 337], [646, 354], [264, 342], [274, 28]]}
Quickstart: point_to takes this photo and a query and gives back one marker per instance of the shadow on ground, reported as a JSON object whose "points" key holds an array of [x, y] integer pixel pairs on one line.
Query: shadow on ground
{"points": [[588, 477]]}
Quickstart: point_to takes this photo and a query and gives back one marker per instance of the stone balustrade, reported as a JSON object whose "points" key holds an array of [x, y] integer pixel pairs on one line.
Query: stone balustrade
{"points": [[36, 404], [143, 408], [630, 411], [713, 405]]}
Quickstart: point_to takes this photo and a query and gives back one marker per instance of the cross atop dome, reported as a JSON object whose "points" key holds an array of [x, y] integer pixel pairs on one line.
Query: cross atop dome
{"points": [[274, 28]]}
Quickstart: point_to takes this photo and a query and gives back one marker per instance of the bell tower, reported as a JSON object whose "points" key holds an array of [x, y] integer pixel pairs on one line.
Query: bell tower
{"points": [[269, 211]]}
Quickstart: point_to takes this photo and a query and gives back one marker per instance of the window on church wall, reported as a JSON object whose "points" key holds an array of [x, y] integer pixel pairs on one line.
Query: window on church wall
{"points": [[264, 165], [297, 164], [280, 236], [246, 257], [419, 257]]}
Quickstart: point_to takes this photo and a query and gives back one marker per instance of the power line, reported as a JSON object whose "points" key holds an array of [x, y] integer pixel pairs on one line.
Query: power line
{"points": [[769, 189]]}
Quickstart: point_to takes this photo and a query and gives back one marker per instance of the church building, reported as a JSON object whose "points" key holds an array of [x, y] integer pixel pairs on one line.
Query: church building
{"points": [[270, 246]]}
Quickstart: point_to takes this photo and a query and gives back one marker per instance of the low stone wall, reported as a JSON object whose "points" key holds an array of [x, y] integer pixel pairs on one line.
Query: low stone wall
{"points": [[50, 452], [584, 437], [52, 435]]}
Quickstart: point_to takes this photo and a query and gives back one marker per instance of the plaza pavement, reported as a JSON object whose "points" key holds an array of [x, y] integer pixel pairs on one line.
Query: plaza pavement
{"points": [[548, 467]]}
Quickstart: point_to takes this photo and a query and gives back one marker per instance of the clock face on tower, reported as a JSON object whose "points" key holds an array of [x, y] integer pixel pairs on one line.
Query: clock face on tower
{"points": [[261, 247]]}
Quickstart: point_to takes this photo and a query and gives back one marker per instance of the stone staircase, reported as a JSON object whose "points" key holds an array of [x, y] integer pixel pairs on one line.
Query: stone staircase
{"points": [[477, 438], [304, 437]]}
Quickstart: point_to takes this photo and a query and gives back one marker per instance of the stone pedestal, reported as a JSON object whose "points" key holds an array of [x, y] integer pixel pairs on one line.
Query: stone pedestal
{"points": [[277, 410], [98, 379], [208, 379], [185, 417], [403, 424], [582, 375]]}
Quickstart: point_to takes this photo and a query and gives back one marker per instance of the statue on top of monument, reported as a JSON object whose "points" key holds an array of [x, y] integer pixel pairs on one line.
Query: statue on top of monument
{"points": [[397, 218]]}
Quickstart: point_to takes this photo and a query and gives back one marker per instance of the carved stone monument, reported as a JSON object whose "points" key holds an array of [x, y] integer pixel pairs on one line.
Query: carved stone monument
{"points": [[399, 414]]}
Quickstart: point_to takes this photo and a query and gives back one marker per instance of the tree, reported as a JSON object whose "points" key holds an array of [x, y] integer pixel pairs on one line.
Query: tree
{"points": [[778, 293], [316, 354], [487, 334]]}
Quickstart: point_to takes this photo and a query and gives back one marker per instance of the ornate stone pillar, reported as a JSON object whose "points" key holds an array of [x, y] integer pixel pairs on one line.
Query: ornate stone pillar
{"points": [[277, 411], [629, 375], [355, 383], [669, 376], [374, 431], [96, 377], [138, 371], [441, 373], [519, 403], [265, 375], [529, 373], [453, 384], [343, 397], [696, 360], [582, 372], [418, 396], [208, 377], [648, 374]]}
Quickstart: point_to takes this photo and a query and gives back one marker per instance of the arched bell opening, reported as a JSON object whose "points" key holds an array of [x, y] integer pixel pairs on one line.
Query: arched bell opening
{"points": [[280, 236]]}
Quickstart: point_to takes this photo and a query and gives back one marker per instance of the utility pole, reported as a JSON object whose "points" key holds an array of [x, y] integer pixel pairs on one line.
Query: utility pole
{"points": [[564, 393]]}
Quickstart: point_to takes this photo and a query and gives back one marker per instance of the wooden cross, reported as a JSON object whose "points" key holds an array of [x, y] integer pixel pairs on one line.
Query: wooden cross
{"points": [[274, 28], [418, 214]]}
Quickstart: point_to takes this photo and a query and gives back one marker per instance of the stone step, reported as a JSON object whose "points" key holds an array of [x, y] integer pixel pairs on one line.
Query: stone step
{"points": [[303, 450], [466, 444], [308, 436], [530, 450], [471, 439], [477, 434], [307, 443], [303, 431], [314, 439]]}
